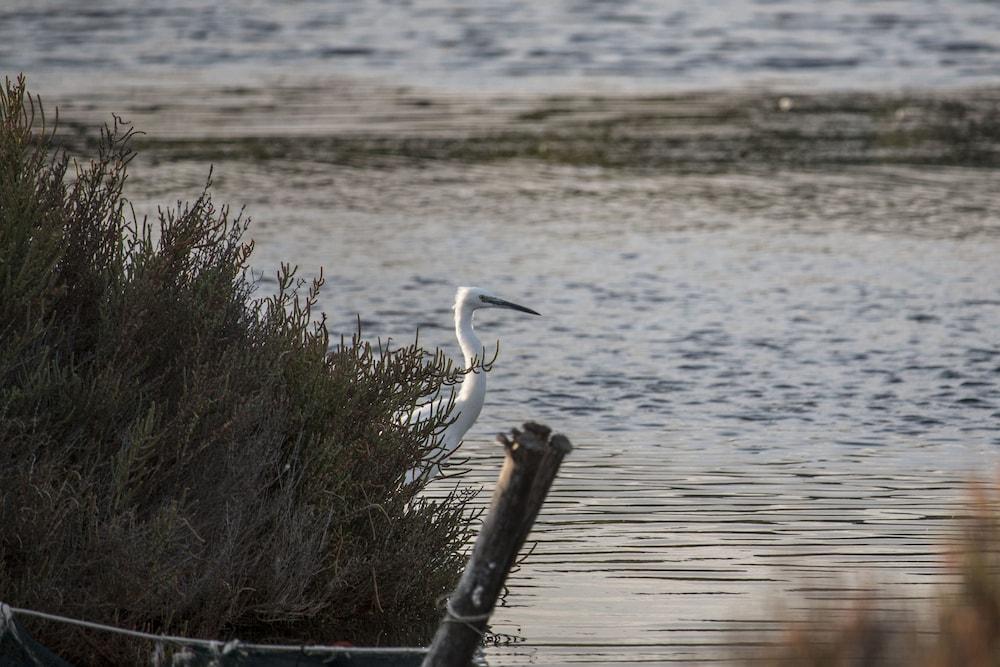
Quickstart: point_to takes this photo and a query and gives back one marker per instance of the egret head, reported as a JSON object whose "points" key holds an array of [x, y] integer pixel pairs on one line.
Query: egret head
{"points": [[473, 298]]}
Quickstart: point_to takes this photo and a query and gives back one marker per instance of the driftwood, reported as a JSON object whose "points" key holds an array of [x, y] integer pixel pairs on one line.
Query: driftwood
{"points": [[532, 460]]}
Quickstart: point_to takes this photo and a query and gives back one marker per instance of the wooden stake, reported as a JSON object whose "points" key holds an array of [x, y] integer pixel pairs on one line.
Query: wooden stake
{"points": [[531, 463]]}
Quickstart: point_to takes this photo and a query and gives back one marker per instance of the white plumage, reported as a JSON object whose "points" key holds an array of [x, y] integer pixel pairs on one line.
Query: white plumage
{"points": [[469, 402]]}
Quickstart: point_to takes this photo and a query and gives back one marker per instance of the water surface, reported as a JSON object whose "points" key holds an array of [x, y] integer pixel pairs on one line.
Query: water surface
{"points": [[776, 381], [568, 45], [770, 321]]}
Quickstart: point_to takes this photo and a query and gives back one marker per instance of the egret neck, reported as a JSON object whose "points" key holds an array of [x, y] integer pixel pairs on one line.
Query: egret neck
{"points": [[473, 393]]}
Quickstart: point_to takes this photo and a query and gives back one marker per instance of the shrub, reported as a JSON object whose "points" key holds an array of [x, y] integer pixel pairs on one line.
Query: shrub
{"points": [[180, 457]]}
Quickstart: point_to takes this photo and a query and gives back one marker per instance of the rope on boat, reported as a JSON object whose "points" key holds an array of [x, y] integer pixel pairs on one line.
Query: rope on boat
{"points": [[216, 647]]}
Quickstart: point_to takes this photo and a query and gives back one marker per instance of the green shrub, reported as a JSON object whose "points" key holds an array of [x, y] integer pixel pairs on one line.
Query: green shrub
{"points": [[179, 457]]}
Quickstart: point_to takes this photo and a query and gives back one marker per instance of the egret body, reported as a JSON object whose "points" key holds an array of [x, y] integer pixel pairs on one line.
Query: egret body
{"points": [[472, 395]]}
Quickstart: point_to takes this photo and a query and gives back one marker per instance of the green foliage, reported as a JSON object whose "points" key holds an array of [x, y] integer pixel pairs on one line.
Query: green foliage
{"points": [[179, 457]]}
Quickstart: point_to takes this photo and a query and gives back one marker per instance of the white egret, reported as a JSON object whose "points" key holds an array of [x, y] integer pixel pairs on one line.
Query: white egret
{"points": [[470, 398]]}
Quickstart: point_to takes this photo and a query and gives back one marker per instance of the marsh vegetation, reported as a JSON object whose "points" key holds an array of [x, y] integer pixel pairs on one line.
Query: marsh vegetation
{"points": [[183, 455]]}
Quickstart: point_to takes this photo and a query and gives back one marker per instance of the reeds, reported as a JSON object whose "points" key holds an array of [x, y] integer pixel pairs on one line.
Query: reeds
{"points": [[959, 628], [179, 457]]}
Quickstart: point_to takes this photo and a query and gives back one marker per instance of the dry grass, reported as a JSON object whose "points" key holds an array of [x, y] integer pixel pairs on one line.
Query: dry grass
{"points": [[179, 457], [964, 630]]}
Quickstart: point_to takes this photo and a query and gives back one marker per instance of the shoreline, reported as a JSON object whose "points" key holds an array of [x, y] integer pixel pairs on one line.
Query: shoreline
{"points": [[358, 125]]}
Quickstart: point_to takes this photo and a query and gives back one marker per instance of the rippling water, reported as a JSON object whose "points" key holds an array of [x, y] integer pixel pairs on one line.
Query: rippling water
{"points": [[673, 551], [509, 44], [773, 400], [664, 307], [776, 376]]}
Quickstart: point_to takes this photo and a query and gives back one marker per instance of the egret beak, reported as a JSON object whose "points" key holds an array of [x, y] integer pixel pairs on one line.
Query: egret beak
{"points": [[500, 303]]}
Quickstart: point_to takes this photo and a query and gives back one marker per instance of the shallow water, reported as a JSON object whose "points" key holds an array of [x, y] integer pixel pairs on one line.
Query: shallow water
{"points": [[778, 364]]}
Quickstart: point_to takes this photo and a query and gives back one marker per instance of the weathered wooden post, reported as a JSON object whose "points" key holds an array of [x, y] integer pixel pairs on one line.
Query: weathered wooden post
{"points": [[531, 463]]}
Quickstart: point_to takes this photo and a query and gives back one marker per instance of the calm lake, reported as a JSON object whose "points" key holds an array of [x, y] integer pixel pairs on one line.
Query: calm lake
{"points": [[771, 322]]}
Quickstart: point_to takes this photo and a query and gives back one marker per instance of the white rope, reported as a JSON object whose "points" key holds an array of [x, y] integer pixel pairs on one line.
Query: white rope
{"points": [[471, 618], [452, 616], [216, 647]]}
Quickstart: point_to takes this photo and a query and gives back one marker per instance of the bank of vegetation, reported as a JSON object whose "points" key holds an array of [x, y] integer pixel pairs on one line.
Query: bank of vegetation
{"points": [[706, 132], [180, 454]]}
